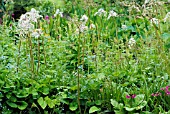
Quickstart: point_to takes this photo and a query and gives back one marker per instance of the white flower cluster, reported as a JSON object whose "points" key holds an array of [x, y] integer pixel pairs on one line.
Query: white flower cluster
{"points": [[58, 12], [83, 26], [112, 14], [131, 42], [27, 20], [37, 33], [124, 27], [101, 12], [167, 17], [146, 1], [155, 21]]}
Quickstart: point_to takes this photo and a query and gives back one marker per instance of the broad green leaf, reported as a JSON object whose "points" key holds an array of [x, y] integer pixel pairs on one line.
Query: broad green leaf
{"points": [[115, 104], [143, 104], [119, 112], [42, 103], [98, 102], [129, 109], [11, 104], [139, 99], [73, 106], [22, 105], [93, 109], [22, 94], [45, 90], [51, 103]]}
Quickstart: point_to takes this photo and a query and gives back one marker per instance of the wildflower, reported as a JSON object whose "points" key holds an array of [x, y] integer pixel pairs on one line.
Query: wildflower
{"points": [[83, 28], [131, 96], [13, 15], [92, 26], [155, 21], [58, 12], [101, 12], [84, 19], [131, 42], [33, 15], [146, 1], [112, 14], [128, 96], [46, 17], [37, 33], [25, 23], [156, 94], [167, 17], [124, 27], [167, 89]]}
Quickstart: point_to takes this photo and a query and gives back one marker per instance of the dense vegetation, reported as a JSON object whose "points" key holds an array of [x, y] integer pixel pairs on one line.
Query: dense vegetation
{"points": [[85, 56]]}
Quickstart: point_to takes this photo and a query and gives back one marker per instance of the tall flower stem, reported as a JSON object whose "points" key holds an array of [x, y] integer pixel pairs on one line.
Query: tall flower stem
{"points": [[31, 56], [38, 55], [44, 52], [78, 77], [19, 51]]}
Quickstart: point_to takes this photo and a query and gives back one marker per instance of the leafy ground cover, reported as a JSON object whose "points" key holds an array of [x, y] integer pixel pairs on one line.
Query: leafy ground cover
{"points": [[83, 57]]}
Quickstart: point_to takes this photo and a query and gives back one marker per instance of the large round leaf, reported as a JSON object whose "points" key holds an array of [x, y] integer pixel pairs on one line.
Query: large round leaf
{"points": [[93, 109], [42, 103], [22, 105]]}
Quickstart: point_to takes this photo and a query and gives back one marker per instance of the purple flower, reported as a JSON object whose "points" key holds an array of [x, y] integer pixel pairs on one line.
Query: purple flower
{"points": [[46, 17], [13, 15], [133, 96], [156, 94], [167, 89], [128, 96], [162, 89]]}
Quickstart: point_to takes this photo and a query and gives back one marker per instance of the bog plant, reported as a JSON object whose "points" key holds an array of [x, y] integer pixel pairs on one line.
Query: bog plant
{"points": [[85, 58]]}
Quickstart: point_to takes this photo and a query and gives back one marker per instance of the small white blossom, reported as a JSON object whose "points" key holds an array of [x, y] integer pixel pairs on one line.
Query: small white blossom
{"points": [[131, 42], [167, 17], [33, 15], [25, 23], [84, 19], [124, 27], [83, 28], [101, 12], [58, 12], [155, 21], [37, 33], [92, 26], [146, 1], [112, 14]]}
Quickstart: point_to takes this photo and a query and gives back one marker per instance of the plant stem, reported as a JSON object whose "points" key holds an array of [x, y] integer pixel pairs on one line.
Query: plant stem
{"points": [[19, 55], [78, 77]]}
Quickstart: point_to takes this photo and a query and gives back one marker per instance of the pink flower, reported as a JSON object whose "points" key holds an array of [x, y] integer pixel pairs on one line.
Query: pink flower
{"points": [[128, 96], [133, 96], [156, 94], [167, 89], [46, 17], [13, 15]]}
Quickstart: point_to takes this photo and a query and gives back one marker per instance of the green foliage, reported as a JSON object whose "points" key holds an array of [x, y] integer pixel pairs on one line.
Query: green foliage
{"points": [[95, 70]]}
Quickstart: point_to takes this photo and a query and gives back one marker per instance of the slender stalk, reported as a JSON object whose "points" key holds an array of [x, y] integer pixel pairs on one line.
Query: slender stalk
{"points": [[44, 52], [78, 77], [38, 55], [31, 55], [18, 61]]}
